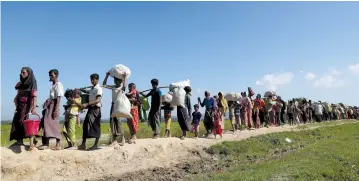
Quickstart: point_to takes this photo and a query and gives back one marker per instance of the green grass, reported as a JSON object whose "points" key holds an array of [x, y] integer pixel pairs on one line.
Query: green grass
{"points": [[144, 131], [326, 153]]}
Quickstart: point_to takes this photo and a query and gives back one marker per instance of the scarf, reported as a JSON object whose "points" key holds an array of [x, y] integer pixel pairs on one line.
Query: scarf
{"points": [[224, 103], [29, 83]]}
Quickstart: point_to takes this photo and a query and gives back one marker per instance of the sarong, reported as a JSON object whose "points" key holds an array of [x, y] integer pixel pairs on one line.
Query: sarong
{"points": [[69, 129], [183, 118], [92, 123], [154, 121], [50, 126]]}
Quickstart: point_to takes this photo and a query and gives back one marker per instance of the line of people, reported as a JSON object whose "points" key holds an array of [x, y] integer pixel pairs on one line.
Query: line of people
{"points": [[246, 113]]}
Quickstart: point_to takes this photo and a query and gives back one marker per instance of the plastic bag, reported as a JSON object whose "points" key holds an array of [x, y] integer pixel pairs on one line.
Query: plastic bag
{"points": [[181, 84], [178, 97], [118, 71], [167, 98], [122, 106], [144, 103]]}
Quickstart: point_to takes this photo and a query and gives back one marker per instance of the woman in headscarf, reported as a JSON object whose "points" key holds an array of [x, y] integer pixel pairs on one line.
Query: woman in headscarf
{"points": [[183, 115], [210, 104], [222, 107], [258, 108], [247, 110], [50, 120], [25, 102]]}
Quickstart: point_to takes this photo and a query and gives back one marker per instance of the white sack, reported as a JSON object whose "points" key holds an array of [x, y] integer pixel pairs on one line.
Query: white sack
{"points": [[181, 84], [269, 93], [233, 96], [167, 98], [118, 71], [178, 97], [122, 106]]}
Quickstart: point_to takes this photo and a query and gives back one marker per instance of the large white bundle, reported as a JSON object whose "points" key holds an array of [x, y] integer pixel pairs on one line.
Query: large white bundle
{"points": [[118, 71], [233, 96], [178, 97], [181, 84], [122, 106], [167, 98], [269, 93]]}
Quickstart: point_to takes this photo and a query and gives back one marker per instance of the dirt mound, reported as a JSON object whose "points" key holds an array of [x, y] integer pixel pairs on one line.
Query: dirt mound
{"points": [[160, 159]]}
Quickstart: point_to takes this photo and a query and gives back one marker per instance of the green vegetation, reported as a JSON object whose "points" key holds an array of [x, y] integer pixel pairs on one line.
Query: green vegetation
{"points": [[144, 131], [326, 153]]}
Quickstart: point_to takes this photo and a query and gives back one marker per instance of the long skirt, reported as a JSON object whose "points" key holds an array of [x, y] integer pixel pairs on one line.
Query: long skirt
{"points": [[244, 118], [133, 122], [92, 123], [221, 111], [154, 121], [217, 129], [249, 118], [208, 120], [17, 129], [50, 126], [69, 129], [183, 118], [115, 125]]}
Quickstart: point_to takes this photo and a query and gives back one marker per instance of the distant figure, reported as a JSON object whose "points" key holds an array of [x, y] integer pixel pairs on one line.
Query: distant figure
{"points": [[167, 110], [217, 129], [132, 123], [208, 102], [196, 115]]}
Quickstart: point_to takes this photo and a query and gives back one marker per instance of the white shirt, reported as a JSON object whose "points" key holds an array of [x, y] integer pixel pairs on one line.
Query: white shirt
{"points": [[318, 109], [57, 90], [94, 92]]}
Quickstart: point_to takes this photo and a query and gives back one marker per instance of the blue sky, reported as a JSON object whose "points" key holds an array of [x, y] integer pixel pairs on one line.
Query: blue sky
{"points": [[306, 49]]}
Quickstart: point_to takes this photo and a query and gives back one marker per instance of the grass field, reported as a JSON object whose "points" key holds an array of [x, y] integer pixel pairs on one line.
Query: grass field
{"points": [[326, 153], [144, 131]]}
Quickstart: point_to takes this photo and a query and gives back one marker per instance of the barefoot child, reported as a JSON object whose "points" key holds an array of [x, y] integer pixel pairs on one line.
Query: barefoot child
{"points": [[115, 123], [132, 123], [167, 109], [217, 129], [196, 115], [72, 116]]}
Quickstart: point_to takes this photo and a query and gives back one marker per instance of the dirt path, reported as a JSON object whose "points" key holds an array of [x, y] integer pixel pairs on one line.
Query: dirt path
{"points": [[109, 162]]}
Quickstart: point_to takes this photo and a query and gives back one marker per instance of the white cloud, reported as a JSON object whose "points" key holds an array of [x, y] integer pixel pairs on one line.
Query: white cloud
{"points": [[354, 68], [310, 76], [328, 81], [334, 71], [301, 71], [274, 81]]}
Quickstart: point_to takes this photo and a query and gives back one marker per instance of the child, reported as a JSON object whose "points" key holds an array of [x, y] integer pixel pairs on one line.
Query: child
{"points": [[92, 123], [153, 118], [115, 123], [72, 116], [167, 109], [132, 123], [196, 115], [217, 129], [237, 116]]}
